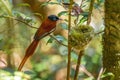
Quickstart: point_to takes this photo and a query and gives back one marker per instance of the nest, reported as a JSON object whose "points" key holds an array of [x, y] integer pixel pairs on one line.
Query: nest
{"points": [[81, 36]]}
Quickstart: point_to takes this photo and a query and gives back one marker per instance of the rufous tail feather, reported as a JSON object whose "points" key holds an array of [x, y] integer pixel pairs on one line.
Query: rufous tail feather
{"points": [[29, 52]]}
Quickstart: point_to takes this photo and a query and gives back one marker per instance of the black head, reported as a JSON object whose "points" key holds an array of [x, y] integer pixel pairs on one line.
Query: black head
{"points": [[53, 18]]}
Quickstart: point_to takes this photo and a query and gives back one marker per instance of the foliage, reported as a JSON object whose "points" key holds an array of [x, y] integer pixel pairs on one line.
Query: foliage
{"points": [[6, 75], [45, 65]]}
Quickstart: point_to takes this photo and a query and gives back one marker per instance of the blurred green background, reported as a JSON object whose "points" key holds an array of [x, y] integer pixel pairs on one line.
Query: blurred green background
{"points": [[49, 62]]}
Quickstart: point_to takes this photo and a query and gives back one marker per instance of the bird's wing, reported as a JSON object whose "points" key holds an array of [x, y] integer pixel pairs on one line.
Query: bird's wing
{"points": [[43, 35], [43, 31]]}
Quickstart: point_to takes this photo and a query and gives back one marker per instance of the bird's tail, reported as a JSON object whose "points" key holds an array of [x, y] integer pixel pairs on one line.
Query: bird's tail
{"points": [[29, 52]]}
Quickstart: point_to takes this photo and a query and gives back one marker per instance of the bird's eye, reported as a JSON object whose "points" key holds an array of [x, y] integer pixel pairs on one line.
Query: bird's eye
{"points": [[53, 18]]}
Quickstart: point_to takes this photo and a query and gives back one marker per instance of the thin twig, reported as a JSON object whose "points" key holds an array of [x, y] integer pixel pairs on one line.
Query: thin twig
{"points": [[78, 64], [19, 21], [86, 71], [26, 23], [58, 41], [81, 3], [100, 73], [32, 27], [99, 33], [90, 11]]}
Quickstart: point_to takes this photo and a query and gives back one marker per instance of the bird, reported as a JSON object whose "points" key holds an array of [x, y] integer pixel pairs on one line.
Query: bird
{"points": [[47, 27]]}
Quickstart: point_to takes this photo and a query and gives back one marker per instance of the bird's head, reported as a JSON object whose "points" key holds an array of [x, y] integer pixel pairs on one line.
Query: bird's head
{"points": [[53, 18]]}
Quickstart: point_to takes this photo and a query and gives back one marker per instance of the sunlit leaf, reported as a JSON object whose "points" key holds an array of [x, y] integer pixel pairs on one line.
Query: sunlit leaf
{"points": [[22, 16], [24, 4], [64, 26], [54, 3], [60, 38], [62, 13], [19, 14], [46, 3], [108, 74], [38, 14], [89, 78], [66, 20], [82, 20]]}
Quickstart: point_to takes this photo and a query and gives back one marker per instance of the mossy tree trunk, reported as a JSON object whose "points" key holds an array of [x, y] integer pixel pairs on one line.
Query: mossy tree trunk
{"points": [[111, 51]]}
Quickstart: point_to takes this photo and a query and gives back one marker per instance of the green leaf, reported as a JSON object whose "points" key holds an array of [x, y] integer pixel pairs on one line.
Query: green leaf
{"points": [[89, 78], [50, 40], [46, 3], [82, 20], [108, 74], [24, 4], [85, 14], [60, 38], [100, 1], [54, 3], [64, 26], [38, 14], [28, 19], [22, 16], [66, 20], [19, 14], [62, 13]]}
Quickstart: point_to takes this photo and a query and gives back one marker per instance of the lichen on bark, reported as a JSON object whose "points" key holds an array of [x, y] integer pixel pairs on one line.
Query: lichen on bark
{"points": [[111, 37]]}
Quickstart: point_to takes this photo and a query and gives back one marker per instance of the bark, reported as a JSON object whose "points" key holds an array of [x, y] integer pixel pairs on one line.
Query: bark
{"points": [[111, 37]]}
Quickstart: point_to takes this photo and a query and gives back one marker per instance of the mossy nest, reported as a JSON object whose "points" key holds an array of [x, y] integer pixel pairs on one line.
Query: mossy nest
{"points": [[80, 36]]}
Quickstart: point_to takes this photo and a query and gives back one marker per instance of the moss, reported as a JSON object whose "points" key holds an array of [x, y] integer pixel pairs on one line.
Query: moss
{"points": [[80, 36], [111, 57]]}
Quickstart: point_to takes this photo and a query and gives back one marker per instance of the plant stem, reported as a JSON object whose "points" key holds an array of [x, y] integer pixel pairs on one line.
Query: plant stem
{"points": [[78, 65], [69, 47], [90, 11]]}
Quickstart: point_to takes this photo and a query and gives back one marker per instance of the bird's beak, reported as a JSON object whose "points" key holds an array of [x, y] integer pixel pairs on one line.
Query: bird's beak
{"points": [[60, 19]]}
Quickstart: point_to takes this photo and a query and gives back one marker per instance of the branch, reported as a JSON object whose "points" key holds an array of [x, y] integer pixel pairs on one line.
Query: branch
{"points": [[81, 3], [58, 41], [100, 73], [99, 33], [31, 27], [69, 47], [90, 11], [19, 21], [78, 64]]}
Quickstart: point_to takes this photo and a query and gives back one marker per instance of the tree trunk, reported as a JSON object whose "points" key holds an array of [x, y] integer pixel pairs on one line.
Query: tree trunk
{"points": [[111, 51]]}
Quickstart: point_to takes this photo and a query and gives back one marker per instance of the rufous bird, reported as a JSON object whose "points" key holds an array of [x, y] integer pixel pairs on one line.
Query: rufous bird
{"points": [[47, 26]]}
